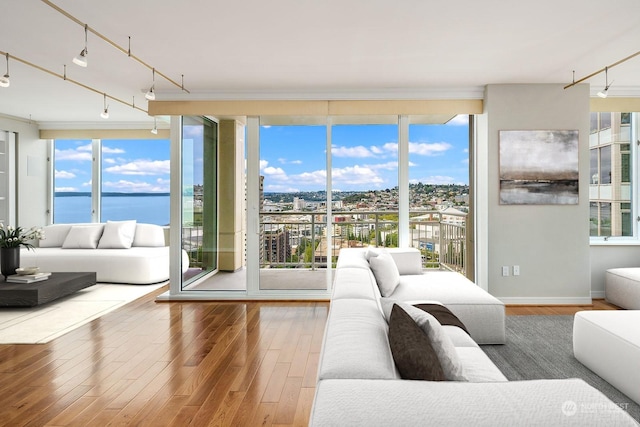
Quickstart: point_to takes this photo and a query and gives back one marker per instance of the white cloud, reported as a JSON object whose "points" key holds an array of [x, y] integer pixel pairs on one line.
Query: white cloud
{"points": [[429, 149], [141, 167], [281, 188], [277, 173], [66, 189], [64, 174], [465, 161], [391, 147], [109, 161], [263, 164], [78, 154], [355, 175], [136, 186], [385, 166], [376, 150], [290, 162], [357, 151], [108, 150]]}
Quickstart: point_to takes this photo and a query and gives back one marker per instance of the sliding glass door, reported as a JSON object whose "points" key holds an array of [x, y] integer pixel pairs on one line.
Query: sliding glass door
{"points": [[199, 197]]}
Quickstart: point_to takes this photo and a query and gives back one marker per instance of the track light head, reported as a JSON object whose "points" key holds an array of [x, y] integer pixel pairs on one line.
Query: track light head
{"points": [[603, 93], [4, 80], [150, 95], [81, 59], [105, 112]]}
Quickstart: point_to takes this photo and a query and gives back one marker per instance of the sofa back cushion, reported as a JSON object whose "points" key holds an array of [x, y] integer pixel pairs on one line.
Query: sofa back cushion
{"points": [[356, 344], [148, 235], [83, 237], [54, 235], [117, 235]]}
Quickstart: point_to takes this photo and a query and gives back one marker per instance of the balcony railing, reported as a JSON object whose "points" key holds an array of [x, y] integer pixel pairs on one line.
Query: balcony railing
{"points": [[298, 239]]}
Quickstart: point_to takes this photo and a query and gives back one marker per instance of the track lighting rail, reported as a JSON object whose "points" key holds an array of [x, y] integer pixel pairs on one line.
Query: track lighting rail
{"points": [[64, 77], [114, 44], [602, 70]]}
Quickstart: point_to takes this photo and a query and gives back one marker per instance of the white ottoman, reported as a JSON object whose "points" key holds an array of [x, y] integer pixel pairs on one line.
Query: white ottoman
{"points": [[622, 287], [608, 343]]}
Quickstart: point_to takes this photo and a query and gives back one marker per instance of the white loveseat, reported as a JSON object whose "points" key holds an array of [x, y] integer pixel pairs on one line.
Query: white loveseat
{"points": [[118, 251], [360, 385]]}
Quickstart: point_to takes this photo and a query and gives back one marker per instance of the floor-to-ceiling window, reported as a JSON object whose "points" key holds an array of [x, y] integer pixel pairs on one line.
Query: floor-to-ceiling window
{"points": [[439, 190], [73, 168], [133, 178], [293, 206], [365, 184]]}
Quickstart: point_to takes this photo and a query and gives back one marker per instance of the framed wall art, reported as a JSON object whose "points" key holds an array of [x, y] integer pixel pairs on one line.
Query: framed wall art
{"points": [[539, 167]]}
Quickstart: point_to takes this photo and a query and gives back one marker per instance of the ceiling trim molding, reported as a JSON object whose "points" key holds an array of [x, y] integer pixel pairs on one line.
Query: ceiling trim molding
{"points": [[614, 104], [316, 108], [103, 134]]}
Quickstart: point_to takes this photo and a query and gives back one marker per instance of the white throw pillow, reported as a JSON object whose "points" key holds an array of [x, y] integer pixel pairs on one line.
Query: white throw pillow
{"points": [[54, 235], [148, 235], [386, 272], [117, 235], [83, 237], [442, 344], [371, 252]]}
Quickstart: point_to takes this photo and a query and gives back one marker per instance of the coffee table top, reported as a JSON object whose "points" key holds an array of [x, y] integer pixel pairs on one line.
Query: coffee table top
{"points": [[35, 293]]}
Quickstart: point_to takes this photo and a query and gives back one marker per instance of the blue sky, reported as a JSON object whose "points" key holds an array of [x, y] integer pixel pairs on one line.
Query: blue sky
{"points": [[292, 158], [364, 157], [128, 166]]}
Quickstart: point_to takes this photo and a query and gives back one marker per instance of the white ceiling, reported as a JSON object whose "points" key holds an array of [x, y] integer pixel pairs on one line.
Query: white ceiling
{"points": [[293, 49]]}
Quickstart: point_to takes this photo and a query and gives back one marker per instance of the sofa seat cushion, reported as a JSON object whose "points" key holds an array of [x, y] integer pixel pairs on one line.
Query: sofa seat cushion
{"points": [[356, 344], [622, 287], [478, 367], [482, 313], [132, 266], [352, 402]]}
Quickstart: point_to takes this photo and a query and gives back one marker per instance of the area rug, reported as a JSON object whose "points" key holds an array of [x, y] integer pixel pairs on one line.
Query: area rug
{"points": [[542, 347], [41, 324]]}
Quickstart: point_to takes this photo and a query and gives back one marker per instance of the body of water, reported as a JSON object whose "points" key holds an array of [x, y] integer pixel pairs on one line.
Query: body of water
{"points": [[151, 209]]}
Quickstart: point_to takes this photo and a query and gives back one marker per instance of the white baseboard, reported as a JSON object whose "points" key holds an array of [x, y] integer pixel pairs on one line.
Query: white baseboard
{"points": [[546, 300], [597, 294]]}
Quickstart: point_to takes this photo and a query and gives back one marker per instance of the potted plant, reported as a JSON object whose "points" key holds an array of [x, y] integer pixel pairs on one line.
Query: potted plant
{"points": [[10, 241]]}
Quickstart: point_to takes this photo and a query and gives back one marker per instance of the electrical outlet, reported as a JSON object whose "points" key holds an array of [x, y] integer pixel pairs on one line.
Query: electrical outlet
{"points": [[505, 270], [516, 270]]}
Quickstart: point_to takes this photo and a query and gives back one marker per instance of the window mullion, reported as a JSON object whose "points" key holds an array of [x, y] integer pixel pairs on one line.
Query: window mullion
{"points": [[96, 179]]}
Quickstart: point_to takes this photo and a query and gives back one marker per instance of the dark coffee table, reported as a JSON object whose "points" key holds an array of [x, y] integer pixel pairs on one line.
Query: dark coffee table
{"points": [[56, 286]]}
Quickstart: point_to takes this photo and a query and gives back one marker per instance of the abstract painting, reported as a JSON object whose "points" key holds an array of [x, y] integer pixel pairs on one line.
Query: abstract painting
{"points": [[539, 167]]}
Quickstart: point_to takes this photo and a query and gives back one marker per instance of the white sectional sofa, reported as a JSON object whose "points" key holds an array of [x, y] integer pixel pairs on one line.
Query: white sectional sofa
{"points": [[118, 251], [359, 383]]}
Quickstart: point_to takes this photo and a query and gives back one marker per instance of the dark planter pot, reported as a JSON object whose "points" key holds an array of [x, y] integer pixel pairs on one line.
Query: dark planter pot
{"points": [[9, 261]]}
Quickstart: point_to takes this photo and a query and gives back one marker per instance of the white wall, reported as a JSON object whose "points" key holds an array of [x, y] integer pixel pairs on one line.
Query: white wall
{"points": [[550, 243], [31, 172]]}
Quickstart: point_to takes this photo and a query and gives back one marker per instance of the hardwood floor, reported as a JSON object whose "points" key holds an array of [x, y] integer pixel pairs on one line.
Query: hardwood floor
{"points": [[178, 364]]}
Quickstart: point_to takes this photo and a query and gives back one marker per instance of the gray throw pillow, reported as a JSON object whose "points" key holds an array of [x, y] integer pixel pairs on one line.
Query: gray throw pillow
{"points": [[440, 341], [412, 352]]}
